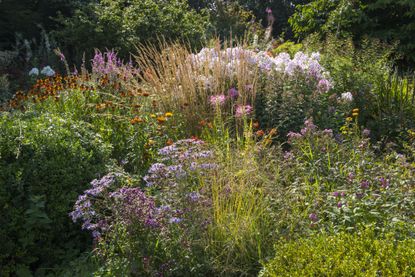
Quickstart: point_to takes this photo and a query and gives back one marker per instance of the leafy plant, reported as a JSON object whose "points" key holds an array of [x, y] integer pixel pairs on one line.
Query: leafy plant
{"points": [[45, 162], [344, 254]]}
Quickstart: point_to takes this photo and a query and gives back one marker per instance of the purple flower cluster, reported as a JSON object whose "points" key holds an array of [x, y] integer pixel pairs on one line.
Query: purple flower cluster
{"points": [[177, 160], [108, 63], [309, 127], [324, 85], [217, 100], [243, 110], [134, 206], [84, 207], [173, 177], [233, 93]]}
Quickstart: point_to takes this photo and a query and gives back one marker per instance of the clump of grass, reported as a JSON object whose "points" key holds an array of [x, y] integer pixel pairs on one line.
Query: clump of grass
{"points": [[184, 82], [237, 238]]}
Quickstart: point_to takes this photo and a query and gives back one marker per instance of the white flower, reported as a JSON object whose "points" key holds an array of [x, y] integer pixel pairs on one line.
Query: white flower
{"points": [[347, 97], [48, 71], [34, 71]]}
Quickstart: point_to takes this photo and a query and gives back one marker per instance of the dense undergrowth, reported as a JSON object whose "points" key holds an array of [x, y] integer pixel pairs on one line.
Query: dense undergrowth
{"points": [[229, 161]]}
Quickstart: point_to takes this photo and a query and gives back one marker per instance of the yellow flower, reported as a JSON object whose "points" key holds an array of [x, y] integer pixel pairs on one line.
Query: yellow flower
{"points": [[349, 119], [169, 114], [161, 119], [153, 115], [355, 114], [355, 111]]}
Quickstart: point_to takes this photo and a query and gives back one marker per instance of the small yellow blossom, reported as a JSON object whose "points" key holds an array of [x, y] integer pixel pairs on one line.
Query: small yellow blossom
{"points": [[169, 114], [161, 119]]}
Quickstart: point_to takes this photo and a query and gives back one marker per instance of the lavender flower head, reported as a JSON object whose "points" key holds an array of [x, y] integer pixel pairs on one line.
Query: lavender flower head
{"points": [[242, 111], [233, 93], [324, 85], [292, 136], [313, 217], [309, 127], [217, 100], [134, 206], [364, 184]]}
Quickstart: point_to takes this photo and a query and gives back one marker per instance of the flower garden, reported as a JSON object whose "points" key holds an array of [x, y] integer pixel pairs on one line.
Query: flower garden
{"points": [[190, 138], [228, 161]]}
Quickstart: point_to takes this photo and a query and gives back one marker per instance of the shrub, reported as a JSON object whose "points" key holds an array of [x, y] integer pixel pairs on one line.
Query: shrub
{"points": [[130, 23], [45, 162], [157, 229], [113, 102], [335, 182], [364, 69], [296, 89], [360, 254]]}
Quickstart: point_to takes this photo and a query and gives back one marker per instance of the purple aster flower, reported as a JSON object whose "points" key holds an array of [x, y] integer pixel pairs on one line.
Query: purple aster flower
{"points": [[156, 168], [288, 155], [384, 183], [175, 220], [336, 194], [208, 166], [364, 184], [313, 217], [339, 204], [194, 196], [359, 195]]}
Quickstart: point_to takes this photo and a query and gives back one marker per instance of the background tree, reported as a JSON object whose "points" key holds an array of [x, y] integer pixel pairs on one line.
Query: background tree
{"points": [[388, 20]]}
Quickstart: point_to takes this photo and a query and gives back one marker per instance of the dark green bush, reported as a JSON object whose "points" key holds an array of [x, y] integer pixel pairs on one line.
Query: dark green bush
{"points": [[46, 161], [343, 255], [129, 23], [385, 20]]}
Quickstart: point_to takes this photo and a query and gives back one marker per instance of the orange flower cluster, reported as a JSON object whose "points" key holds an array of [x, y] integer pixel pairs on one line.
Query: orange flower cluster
{"points": [[49, 87]]}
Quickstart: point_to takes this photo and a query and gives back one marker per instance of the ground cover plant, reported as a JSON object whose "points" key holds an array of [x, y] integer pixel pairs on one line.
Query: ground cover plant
{"points": [[237, 158]]}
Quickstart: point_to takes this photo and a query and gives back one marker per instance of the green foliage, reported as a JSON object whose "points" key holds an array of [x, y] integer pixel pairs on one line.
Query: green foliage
{"points": [[45, 162], [360, 254], [385, 20], [342, 184], [130, 23], [364, 69], [231, 19], [25, 16], [288, 47]]}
